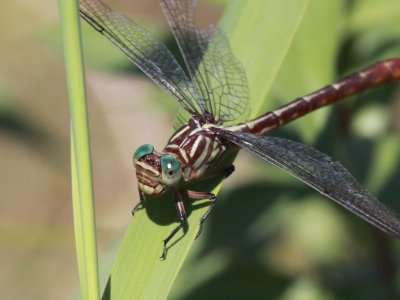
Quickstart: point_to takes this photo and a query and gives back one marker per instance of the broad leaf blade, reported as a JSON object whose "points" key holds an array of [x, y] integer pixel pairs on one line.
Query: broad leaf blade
{"points": [[261, 33], [310, 63]]}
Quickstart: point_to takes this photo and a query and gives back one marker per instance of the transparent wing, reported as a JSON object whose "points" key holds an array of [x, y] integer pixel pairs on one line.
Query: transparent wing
{"points": [[320, 172], [213, 68], [146, 51]]}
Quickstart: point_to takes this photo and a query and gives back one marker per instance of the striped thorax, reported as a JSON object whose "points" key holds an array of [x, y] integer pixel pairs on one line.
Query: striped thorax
{"points": [[188, 156]]}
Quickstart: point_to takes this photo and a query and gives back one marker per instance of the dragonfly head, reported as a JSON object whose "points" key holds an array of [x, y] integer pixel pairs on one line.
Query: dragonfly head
{"points": [[156, 171]]}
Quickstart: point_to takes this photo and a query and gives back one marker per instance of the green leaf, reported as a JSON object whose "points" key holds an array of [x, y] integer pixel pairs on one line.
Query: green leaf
{"points": [[310, 63], [261, 37], [261, 33]]}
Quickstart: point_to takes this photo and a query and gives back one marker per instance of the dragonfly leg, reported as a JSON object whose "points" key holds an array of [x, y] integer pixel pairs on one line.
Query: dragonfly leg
{"points": [[140, 204], [194, 196], [180, 208], [199, 196]]}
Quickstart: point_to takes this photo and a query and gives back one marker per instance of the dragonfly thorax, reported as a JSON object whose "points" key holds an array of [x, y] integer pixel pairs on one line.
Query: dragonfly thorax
{"points": [[189, 154]]}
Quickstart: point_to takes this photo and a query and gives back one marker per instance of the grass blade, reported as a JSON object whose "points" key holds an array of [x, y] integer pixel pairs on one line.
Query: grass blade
{"points": [[82, 190]]}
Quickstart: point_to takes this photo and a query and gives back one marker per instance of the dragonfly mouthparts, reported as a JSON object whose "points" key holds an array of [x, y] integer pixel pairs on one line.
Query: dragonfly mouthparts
{"points": [[148, 172]]}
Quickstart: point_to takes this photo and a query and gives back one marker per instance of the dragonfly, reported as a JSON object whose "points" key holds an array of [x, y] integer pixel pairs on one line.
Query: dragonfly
{"points": [[213, 89]]}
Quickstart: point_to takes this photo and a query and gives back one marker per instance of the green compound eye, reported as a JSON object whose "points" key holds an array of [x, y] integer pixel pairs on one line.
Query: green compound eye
{"points": [[171, 170], [143, 151]]}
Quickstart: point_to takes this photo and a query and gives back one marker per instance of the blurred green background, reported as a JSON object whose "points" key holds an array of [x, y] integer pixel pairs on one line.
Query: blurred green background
{"points": [[269, 237]]}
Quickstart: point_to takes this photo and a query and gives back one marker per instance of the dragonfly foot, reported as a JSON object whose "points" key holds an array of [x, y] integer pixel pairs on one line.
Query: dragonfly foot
{"points": [[200, 230], [169, 237], [140, 204], [136, 208], [164, 251]]}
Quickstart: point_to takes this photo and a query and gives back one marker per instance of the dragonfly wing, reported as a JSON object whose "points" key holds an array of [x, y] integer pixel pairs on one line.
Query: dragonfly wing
{"points": [[146, 51], [322, 173], [213, 68]]}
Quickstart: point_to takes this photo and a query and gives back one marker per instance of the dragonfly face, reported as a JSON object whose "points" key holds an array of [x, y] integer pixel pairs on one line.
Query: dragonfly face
{"points": [[155, 171]]}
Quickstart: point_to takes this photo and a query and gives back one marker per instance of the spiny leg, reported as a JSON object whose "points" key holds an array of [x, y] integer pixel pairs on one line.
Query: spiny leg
{"points": [[210, 196], [192, 195], [141, 203], [180, 208]]}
